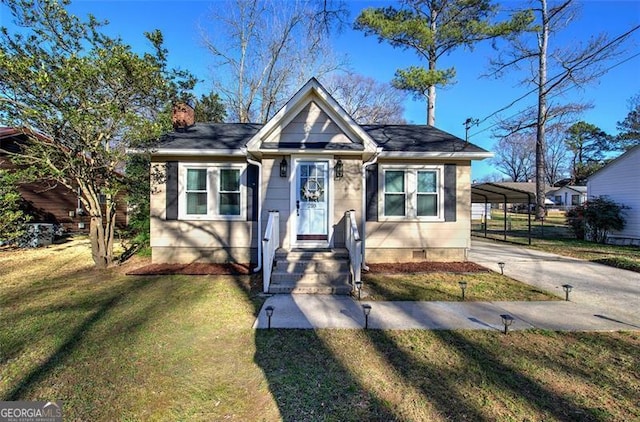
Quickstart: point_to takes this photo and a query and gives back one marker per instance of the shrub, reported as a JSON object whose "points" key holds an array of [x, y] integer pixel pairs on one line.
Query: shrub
{"points": [[595, 219]]}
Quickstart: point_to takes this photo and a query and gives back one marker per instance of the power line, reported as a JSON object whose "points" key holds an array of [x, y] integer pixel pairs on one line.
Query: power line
{"points": [[535, 89]]}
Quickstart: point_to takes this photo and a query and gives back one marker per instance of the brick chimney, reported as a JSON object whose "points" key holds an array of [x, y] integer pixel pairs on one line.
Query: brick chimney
{"points": [[183, 116]]}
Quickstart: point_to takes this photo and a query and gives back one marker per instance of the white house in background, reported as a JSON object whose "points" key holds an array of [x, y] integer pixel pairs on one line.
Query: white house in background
{"points": [[567, 197], [620, 181]]}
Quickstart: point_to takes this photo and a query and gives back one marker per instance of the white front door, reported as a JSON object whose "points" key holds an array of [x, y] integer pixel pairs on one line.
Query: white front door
{"points": [[312, 203]]}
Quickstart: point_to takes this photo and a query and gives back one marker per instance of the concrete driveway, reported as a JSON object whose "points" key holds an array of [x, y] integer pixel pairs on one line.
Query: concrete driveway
{"points": [[608, 292]]}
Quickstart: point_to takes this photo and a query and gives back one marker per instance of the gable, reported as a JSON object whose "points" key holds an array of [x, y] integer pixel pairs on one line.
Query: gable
{"points": [[311, 125], [312, 119]]}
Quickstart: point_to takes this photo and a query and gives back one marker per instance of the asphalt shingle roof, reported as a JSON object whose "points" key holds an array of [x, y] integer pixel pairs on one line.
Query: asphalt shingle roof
{"points": [[405, 138]]}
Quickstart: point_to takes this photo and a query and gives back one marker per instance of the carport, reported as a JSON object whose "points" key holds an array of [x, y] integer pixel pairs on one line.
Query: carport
{"points": [[503, 193]]}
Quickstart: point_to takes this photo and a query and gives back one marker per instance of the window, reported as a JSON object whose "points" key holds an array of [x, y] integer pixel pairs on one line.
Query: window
{"points": [[557, 200], [411, 192], [211, 191], [229, 201], [427, 194], [394, 193], [197, 191], [575, 199]]}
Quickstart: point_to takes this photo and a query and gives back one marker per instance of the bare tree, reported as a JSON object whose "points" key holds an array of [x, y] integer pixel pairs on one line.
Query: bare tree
{"points": [[557, 155], [570, 66], [366, 100], [265, 49], [515, 156]]}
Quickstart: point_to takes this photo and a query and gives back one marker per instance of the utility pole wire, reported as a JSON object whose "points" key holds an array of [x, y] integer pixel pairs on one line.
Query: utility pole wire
{"points": [[534, 90]]}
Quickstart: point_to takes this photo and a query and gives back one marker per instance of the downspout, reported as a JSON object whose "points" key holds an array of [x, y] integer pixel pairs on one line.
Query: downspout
{"points": [[363, 213], [259, 164]]}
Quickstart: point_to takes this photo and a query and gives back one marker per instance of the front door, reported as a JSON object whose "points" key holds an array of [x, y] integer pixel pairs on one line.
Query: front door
{"points": [[312, 208]]}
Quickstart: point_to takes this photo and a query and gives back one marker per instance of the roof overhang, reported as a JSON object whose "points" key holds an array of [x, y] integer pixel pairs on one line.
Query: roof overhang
{"points": [[437, 154], [189, 152]]}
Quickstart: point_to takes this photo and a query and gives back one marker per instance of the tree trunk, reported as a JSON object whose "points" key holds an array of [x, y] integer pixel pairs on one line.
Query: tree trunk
{"points": [[102, 233], [542, 115]]}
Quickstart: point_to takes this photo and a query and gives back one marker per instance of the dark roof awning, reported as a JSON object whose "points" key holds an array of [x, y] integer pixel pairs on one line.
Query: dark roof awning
{"points": [[510, 192]]}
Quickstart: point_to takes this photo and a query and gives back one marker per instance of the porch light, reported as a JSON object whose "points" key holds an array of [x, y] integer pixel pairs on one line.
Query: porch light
{"points": [[507, 320], [366, 308], [567, 289], [283, 167], [501, 265], [339, 170], [359, 288], [463, 287], [269, 311]]}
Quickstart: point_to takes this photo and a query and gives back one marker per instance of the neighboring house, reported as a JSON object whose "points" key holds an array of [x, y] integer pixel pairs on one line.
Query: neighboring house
{"points": [[620, 181], [46, 201], [567, 197], [409, 187], [480, 211]]}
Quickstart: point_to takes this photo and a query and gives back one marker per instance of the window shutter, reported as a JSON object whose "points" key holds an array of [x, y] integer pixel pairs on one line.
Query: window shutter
{"points": [[372, 193], [450, 196], [252, 192], [171, 191]]}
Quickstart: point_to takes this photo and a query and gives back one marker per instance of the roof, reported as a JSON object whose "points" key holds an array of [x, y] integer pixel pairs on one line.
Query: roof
{"points": [[417, 138], [392, 138], [210, 136], [513, 192], [579, 189], [614, 162]]}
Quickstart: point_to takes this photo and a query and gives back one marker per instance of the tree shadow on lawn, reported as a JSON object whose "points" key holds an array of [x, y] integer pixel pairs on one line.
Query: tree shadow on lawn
{"points": [[485, 370], [125, 306], [309, 383]]}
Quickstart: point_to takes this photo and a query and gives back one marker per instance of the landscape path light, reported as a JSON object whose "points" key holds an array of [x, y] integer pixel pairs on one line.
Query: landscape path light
{"points": [[567, 289], [501, 265], [463, 287], [507, 320], [359, 288], [269, 311], [366, 308]]}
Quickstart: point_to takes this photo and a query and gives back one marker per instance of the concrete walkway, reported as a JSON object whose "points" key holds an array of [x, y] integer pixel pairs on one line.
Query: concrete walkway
{"points": [[603, 299]]}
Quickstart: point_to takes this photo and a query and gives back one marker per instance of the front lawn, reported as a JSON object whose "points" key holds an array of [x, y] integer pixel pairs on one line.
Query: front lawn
{"points": [[439, 286], [181, 348]]}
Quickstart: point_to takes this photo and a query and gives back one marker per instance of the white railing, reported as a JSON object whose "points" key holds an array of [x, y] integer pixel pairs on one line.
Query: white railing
{"points": [[270, 244], [354, 246]]}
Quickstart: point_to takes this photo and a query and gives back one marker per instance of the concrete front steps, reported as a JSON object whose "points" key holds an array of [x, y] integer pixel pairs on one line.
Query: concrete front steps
{"points": [[311, 271]]}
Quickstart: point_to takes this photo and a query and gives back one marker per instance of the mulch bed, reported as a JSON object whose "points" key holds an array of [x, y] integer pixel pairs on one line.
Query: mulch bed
{"points": [[427, 267], [245, 269], [193, 269]]}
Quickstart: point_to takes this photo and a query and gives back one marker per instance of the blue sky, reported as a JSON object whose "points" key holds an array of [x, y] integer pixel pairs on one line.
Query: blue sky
{"points": [[472, 96]]}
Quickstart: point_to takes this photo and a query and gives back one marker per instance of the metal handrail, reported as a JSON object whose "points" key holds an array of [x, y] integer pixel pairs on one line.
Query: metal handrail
{"points": [[270, 244], [354, 246]]}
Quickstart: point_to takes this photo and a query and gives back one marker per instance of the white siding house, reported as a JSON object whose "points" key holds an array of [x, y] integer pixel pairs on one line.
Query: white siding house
{"points": [[567, 197], [620, 181]]}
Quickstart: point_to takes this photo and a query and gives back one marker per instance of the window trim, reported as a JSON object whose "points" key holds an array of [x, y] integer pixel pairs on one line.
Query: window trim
{"points": [[411, 192], [213, 191]]}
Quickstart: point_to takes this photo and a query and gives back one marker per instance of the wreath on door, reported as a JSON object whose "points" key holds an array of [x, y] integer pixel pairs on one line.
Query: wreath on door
{"points": [[312, 190]]}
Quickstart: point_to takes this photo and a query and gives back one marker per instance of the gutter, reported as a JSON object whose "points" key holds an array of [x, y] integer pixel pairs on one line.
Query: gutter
{"points": [[259, 164], [363, 214]]}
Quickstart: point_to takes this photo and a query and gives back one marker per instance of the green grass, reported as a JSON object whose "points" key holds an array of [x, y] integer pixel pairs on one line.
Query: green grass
{"points": [[488, 286], [179, 348]]}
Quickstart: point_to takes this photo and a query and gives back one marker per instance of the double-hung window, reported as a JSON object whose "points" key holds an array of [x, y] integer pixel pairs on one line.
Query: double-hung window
{"points": [[211, 191], [411, 192]]}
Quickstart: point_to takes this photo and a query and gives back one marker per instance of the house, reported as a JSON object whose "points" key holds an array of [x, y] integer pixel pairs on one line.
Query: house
{"points": [[620, 180], [567, 197], [44, 200], [400, 192]]}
